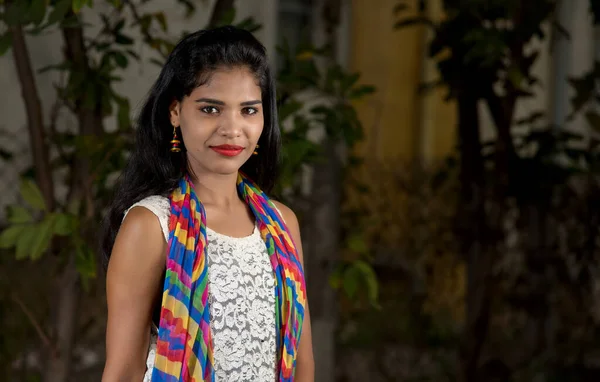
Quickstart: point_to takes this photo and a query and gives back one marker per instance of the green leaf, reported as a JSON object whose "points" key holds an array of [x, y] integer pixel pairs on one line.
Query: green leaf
{"points": [[78, 5], [370, 278], [351, 281], [361, 91], [162, 21], [102, 46], [74, 206], [347, 82], [42, 238], [120, 59], [584, 87], [331, 78], [16, 13], [321, 110], [26, 240], [419, 20], [335, 279], [19, 215], [249, 24], [6, 155], [593, 119], [63, 224], [123, 118], [356, 243], [59, 11], [119, 25], [9, 237], [515, 76], [288, 109], [144, 22], [189, 5], [32, 194], [123, 40], [227, 17], [157, 62], [5, 42], [133, 54], [37, 11], [299, 151], [59, 67]]}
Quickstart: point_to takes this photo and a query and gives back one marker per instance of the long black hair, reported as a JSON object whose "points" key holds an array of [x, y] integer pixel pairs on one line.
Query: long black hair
{"points": [[152, 168]]}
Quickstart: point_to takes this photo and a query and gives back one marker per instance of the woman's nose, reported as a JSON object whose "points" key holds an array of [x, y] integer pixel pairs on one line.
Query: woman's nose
{"points": [[231, 125]]}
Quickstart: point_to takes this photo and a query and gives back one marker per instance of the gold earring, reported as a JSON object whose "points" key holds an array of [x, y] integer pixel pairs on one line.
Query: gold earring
{"points": [[175, 142], [255, 150]]}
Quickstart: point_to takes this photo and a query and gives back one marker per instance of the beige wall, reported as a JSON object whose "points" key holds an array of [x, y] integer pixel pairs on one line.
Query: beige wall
{"points": [[391, 61], [437, 124], [400, 123]]}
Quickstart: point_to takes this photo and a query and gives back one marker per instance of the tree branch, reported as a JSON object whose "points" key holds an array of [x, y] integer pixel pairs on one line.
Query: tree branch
{"points": [[54, 114], [89, 119], [138, 19], [35, 117], [36, 325]]}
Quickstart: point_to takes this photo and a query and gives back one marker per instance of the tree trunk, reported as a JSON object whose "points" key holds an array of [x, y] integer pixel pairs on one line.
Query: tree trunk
{"points": [[35, 116], [473, 234], [69, 289], [323, 223], [323, 229], [58, 369]]}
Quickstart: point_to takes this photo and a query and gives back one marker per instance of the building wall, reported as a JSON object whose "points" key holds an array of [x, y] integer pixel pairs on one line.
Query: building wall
{"points": [[391, 61], [400, 122]]}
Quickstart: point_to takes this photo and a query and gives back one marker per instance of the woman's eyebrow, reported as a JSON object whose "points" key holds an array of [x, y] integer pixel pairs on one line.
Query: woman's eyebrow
{"points": [[221, 103], [251, 103], [210, 100]]}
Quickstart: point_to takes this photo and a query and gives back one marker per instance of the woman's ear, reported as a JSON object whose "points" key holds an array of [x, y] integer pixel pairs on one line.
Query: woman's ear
{"points": [[174, 113]]}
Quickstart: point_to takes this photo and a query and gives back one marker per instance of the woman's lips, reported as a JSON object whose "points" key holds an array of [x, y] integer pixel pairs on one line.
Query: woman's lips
{"points": [[228, 150]]}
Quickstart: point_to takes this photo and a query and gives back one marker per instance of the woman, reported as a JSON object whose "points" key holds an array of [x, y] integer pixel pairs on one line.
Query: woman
{"points": [[205, 277]]}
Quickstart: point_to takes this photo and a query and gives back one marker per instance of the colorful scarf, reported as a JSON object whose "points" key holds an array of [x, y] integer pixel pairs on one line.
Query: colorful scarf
{"points": [[184, 350]]}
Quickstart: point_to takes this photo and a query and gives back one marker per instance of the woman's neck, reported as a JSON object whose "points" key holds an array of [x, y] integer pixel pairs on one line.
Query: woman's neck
{"points": [[216, 189]]}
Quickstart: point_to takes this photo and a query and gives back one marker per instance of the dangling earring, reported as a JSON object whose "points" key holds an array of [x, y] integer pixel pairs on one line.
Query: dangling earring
{"points": [[175, 142], [255, 150]]}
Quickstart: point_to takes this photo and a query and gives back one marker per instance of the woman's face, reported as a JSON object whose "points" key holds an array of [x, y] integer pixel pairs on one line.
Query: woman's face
{"points": [[221, 121]]}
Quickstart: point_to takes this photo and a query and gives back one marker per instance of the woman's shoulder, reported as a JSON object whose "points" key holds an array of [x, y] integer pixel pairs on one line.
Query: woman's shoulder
{"points": [[287, 214], [159, 206], [152, 202]]}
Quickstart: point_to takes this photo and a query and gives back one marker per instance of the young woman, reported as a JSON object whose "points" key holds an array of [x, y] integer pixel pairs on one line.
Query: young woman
{"points": [[205, 279]]}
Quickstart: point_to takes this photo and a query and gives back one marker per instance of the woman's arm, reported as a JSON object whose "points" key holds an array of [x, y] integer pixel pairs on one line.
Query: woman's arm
{"points": [[133, 279], [305, 364]]}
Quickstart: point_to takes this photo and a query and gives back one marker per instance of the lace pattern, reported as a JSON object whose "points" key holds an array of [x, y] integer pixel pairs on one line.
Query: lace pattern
{"points": [[242, 303]]}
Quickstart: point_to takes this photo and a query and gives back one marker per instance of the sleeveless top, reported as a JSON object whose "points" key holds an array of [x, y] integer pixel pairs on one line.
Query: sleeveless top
{"points": [[242, 303]]}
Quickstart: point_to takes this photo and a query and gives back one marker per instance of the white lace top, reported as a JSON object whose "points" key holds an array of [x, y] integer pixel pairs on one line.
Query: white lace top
{"points": [[242, 303]]}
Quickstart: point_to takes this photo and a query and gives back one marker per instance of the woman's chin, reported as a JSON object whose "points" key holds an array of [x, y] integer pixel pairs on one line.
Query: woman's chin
{"points": [[225, 168]]}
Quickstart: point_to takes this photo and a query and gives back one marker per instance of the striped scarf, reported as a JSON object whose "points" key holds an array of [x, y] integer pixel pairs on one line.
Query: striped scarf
{"points": [[184, 350]]}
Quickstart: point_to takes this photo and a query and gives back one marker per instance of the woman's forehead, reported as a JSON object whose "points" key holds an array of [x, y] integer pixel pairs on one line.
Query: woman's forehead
{"points": [[232, 83]]}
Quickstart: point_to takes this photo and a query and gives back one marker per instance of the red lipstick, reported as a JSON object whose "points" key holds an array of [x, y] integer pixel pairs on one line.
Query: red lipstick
{"points": [[228, 150]]}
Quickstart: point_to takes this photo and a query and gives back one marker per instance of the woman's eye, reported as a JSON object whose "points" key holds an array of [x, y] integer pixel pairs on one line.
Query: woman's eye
{"points": [[250, 110], [210, 110]]}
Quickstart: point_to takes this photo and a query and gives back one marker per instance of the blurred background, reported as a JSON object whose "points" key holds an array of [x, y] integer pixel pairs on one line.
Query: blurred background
{"points": [[442, 157]]}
